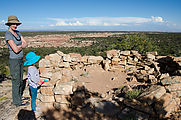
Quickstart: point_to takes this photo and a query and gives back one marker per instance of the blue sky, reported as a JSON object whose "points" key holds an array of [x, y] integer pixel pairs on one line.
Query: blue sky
{"points": [[108, 15]]}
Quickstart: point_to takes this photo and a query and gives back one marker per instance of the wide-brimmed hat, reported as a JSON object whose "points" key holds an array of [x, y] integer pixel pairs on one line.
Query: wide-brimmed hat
{"points": [[31, 58], [13, 19]]}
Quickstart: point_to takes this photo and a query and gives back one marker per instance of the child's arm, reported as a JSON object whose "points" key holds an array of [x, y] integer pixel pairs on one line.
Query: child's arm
{"points": [[39, 83]]}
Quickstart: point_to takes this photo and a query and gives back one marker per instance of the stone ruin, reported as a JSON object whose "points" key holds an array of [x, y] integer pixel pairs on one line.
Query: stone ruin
{"points": [[158, 78]]}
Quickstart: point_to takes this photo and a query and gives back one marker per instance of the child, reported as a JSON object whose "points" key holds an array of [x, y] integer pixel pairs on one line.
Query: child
{"points": [[33, 77]]}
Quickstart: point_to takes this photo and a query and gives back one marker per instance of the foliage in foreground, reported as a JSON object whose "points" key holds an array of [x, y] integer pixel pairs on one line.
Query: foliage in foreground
{"points": [[133, 94]]}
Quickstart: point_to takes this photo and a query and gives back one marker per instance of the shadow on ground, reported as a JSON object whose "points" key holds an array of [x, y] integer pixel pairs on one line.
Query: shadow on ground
{"points": [[26, 115]]}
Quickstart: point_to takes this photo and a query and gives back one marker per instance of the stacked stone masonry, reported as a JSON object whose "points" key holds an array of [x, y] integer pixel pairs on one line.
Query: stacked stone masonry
{"points": [[160, 73]]}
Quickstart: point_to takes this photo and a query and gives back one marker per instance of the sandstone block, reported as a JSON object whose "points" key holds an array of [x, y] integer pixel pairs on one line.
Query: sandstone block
{"points": [[122, 62], [106, 65], [174, 87], [61, 54], [61, 99], [46, 74], [171, 80], [177, 59], [136, 54], [66, 58], [63, 88], [63, 64], [47, 90], [166, 105], [95, 59], [115, 61], [150, 56], [45, 98], [45, 70], [139, 106], [56, 76], [151, 71], [125, 53], [84, 59], [112, 53], [75, 57], [152, 94], [163, 101], [44, 63]]}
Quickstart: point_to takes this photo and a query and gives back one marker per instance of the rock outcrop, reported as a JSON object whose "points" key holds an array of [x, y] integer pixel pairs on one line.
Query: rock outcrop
{"points": [[157, 77]]}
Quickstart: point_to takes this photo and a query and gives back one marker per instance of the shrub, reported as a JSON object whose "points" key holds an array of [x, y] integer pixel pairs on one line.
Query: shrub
{"points": [[132, 94], [139, 42], [84, 74], [4, 70], [3, 98]]}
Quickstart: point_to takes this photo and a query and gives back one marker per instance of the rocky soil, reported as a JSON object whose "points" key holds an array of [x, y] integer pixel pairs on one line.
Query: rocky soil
{"points": [[97, 80], [7, 110]]}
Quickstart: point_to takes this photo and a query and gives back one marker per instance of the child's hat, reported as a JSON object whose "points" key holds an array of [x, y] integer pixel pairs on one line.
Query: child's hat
{"points": [[31, 58]]}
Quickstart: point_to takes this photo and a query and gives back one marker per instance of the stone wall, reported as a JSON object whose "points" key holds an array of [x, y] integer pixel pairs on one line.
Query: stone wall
{"points": [[160, 75]]}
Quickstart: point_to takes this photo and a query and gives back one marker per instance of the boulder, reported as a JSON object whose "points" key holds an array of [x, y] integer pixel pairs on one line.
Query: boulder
{"points": [[75, 57], [152, 94], [125, 53], [63, 88], [112, 53], [139, 106], [165, 105], [95, 59]]}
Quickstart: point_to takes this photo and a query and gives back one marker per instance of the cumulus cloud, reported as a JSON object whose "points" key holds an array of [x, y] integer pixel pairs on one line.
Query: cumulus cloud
{"points": [[2, 22], [157, 19], [105, 21]]}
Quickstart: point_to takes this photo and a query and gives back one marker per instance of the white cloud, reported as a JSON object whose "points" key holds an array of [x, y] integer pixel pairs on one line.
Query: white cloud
{"points": [[2, 22], [104, 21], [157, 19]]}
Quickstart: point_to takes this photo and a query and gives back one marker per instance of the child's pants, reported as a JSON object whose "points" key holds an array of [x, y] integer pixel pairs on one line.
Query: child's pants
{"points": [[33, 92]]}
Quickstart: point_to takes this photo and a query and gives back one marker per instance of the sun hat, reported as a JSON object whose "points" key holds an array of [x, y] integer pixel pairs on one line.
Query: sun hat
{"points": [[31, 58], [13, 19]]}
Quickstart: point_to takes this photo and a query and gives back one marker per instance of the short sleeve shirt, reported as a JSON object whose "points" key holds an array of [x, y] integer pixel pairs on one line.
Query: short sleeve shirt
{"points": [[17, 41]]}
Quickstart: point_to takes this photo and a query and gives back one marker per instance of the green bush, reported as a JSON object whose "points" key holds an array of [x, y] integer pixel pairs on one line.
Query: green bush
{"points": [[4, 70], [132, 94], [84, 74], [139, 42]]}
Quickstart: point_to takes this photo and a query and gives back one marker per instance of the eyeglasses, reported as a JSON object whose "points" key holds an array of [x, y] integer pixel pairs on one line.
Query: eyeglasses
{"points": [[14, 24]]}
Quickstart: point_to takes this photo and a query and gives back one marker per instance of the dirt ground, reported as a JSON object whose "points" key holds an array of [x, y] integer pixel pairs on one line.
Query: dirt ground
{"points": [[94, 78]]}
